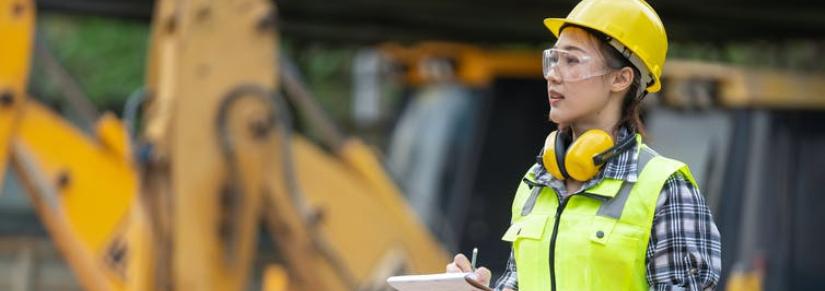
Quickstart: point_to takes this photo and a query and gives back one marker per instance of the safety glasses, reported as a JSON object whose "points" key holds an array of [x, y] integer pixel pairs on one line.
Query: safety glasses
{"points": [[570, 66]]}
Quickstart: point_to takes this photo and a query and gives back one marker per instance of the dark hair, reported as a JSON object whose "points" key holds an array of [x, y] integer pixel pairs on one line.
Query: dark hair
{"points": [[631, 104]]}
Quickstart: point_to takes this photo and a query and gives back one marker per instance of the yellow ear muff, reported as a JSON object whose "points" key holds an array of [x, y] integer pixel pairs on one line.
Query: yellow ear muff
{"points": [[548, 158], [579, 158]]}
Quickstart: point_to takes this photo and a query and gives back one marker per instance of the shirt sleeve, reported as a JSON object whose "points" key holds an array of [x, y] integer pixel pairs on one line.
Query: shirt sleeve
{"points": [[684, 252], [508, 279]]}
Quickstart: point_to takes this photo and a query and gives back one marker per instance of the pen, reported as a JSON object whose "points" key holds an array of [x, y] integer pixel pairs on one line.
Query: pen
{"points": [[473, 262]]}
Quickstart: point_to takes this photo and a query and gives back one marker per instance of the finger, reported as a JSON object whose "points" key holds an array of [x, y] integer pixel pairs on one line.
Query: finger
{"points": [[463, 263], [452, 268], [483, 275]]}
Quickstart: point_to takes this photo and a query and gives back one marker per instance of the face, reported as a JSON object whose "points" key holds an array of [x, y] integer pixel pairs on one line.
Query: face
{"points": [[576, 87]]}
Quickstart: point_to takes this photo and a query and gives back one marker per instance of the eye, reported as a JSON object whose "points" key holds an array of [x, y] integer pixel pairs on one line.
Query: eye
{"points": [[571, 60], [554, 58]]}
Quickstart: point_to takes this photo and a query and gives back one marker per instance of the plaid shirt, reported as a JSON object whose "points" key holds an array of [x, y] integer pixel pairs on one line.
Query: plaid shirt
{"points": [[684, 252]]}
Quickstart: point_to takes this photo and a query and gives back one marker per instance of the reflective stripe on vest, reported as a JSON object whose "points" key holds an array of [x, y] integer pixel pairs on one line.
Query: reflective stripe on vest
{"points": [[602, 234]]}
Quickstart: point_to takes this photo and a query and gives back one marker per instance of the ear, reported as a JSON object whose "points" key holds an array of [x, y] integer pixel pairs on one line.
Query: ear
{"points": [[622, 79]]}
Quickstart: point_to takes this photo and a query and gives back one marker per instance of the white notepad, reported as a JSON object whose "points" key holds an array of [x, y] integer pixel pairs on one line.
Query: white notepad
{"points": [[436, 282]]}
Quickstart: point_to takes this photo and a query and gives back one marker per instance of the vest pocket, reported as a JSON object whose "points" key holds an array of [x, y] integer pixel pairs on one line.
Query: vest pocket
{"points": [[531, 250], [531, 227], [616, 249]]}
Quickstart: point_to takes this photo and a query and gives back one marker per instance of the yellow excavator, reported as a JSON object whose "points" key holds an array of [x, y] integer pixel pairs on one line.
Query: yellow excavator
{"points": [[178, 208]]}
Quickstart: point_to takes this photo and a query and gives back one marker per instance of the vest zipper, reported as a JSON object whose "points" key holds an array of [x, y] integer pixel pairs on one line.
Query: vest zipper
{"points": [[562, 204]]}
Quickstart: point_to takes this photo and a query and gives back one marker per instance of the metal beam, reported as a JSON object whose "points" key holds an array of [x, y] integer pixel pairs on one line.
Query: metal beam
{"points": [[486, 21]]}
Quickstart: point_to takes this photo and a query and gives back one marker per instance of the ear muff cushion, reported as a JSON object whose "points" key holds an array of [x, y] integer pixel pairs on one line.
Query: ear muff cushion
{"points": [[578, 161], [548, 157]]}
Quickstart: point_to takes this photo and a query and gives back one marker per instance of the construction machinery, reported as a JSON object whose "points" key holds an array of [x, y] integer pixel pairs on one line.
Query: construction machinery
{"points": [[178, 207]]}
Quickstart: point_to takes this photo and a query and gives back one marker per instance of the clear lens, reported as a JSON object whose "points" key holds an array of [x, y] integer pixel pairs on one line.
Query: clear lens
{"points": [[569, 66]]}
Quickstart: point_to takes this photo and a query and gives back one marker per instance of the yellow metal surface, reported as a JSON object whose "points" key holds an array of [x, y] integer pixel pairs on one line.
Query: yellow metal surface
{"points": [[112, 135], [745, 281], [83, 190], [203, 195], [16, 32], [141, 249], [276, 278], [97, 184], [360, 214], [474, 66], [80, 187], [733, 86], [426, 255]]}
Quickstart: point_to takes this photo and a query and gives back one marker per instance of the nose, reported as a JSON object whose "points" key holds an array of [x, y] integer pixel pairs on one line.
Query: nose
{"points": [[553, 76]]}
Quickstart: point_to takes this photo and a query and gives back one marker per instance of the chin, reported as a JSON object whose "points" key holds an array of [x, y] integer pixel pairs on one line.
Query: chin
{"points": [[557, 117]]}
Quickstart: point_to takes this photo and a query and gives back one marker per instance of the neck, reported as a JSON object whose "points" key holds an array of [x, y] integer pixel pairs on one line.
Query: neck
{"points": [[580, 128], [607, 119]]}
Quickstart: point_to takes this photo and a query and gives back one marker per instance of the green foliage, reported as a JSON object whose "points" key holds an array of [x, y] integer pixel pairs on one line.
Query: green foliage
{"points": [[328, 73], [106, 56]]}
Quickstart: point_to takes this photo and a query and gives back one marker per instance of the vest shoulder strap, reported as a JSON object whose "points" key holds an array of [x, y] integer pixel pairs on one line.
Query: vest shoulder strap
{"points": [[654, 170], [526, 194]]}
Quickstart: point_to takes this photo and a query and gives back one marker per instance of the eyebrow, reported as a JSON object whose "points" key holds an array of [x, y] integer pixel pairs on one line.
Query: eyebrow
{"points": [[573, 48]]}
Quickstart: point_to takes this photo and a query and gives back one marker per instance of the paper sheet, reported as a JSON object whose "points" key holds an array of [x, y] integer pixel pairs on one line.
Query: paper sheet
{"points": [[432, 282]]}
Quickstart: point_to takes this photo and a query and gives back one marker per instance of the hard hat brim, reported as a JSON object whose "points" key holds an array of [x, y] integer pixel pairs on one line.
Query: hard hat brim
{"points": [[555, 25]]}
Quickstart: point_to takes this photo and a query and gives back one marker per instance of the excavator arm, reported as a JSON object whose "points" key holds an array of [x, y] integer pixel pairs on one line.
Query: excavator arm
{"points": [[81, 185], [217, 155]]}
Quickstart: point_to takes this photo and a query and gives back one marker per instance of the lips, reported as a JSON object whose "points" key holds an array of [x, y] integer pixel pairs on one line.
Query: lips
{"points": [[555, 97]]}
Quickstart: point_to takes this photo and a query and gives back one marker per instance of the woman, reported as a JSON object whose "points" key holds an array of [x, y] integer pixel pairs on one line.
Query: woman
{"points": [[594, 214]]}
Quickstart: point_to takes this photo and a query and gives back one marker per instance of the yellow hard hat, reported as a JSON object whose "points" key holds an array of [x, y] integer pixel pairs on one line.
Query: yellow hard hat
{"points": [[633, 27]]}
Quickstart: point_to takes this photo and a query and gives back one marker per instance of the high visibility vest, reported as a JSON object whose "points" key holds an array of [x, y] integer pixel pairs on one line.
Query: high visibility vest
{"points": [[594, 240]]}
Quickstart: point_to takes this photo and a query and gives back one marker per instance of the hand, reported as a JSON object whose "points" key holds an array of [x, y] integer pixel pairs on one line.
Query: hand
{"points": [[461, 264]]}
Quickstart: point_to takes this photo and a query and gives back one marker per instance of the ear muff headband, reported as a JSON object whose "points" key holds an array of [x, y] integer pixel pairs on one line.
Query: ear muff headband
{"points": [[562, 142], [628, 143]]}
